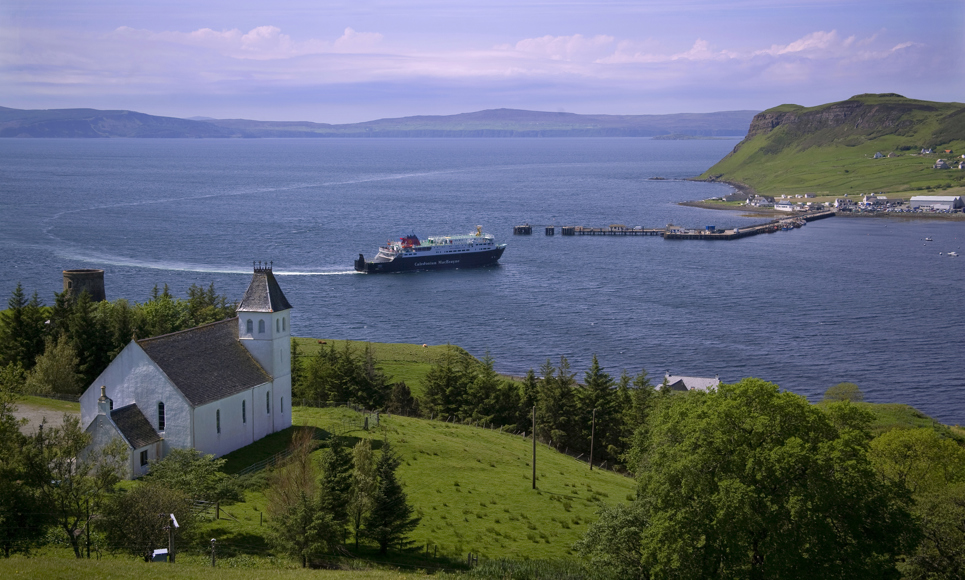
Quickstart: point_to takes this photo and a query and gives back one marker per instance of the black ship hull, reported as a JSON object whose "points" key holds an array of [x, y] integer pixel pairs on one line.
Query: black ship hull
{"points": [[439, 262]]}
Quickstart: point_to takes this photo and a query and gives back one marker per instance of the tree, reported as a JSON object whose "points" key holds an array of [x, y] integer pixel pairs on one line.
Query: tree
{"points": [[401, 401], [390, 520], [89, 338], [445, 385], [195, 474], [72, 478], [138, 521], [528, 397], [932, 468], [752, 482], [23, 518], [336, 485], [364, 484], [614, 542], [21, 330], [597, 392], [555, 408], [297, 525], [56, 370], [844, 392]]}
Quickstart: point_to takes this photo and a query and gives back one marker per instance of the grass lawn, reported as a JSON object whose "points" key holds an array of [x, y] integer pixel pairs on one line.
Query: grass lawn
{"points": [[471, 486], [51, 567], [52, 404]]}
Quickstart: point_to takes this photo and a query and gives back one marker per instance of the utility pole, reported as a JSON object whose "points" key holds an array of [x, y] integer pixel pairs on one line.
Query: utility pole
{"points": [[87, 535], [592, 435], [534, 446]]}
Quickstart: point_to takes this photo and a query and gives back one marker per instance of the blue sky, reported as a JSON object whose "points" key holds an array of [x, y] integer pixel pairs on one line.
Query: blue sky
{"points": [[339, 62]]}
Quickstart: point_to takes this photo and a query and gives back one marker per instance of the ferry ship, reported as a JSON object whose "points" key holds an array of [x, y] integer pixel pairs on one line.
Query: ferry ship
{"points": [[437, 253]]}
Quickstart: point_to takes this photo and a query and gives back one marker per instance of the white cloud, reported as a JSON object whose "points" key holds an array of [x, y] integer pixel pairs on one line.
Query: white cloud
{"points": [[562, 48], [353, 41]]}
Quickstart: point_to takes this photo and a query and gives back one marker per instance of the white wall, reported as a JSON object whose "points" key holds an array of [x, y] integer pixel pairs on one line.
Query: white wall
{"points": [[133, 377]]}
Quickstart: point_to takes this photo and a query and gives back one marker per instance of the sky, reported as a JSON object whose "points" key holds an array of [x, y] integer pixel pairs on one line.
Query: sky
{"points": [[333, 61]]}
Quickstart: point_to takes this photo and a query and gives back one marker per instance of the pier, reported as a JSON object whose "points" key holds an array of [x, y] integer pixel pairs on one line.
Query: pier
{"points": [[672, 232]]}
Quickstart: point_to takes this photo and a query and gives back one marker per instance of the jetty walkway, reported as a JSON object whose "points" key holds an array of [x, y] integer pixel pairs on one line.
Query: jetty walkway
{"points": [[672, 232]]}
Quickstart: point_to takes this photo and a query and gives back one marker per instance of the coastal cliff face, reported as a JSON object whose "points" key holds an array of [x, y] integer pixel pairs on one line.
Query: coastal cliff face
{"points": [[853, 114], [834, 147]]}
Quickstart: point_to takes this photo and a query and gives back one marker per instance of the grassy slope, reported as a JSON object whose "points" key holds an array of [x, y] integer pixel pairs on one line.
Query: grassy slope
{"points": [[472, 487], [69, 568], [837, 160]]}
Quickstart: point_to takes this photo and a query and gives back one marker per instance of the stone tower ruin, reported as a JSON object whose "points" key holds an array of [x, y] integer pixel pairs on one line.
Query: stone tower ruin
{"points": [[76, 281]]}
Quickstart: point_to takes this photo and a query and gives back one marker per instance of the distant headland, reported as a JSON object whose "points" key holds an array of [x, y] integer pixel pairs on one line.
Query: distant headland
{"points": [[869, 143], [94, 123]]}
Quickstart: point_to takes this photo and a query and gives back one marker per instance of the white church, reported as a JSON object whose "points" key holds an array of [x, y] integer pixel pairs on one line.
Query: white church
{"points": [[214, 388]]}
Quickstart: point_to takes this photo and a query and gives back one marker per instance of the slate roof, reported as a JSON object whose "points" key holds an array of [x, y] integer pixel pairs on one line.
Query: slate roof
{"points": [[206, 363], [134, 426], [263, 294], [679, 383]]}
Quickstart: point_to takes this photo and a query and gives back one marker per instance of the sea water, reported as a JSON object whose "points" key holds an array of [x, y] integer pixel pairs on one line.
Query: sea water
{"points": [[861, 300]]}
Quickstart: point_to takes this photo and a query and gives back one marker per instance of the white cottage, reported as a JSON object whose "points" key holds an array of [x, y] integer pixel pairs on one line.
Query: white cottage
{"points": [[214, 388]]}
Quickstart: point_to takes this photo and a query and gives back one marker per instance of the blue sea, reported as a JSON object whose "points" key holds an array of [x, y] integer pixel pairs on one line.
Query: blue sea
{"points": [[861, 300]]}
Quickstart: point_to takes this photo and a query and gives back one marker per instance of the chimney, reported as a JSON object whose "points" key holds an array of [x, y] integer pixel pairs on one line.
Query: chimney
{"points": [[104, 403]]}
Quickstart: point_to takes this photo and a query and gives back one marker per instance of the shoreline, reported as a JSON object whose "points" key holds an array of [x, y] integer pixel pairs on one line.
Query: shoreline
{"points": [[756, 212]]}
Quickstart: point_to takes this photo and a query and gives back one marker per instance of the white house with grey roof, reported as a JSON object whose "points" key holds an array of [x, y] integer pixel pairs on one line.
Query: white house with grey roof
{"points": [[214, 388], [681, 383]]}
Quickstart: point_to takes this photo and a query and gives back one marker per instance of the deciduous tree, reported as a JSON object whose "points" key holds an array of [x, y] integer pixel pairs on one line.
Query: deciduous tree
{"points": [[752, 482]]}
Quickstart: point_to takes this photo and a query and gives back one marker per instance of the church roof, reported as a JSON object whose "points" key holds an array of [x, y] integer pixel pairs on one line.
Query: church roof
{"points": [[134, 426], [206, 363], [263, 294]]}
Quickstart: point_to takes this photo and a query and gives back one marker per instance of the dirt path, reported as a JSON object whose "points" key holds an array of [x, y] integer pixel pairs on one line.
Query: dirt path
{"points": [[36, 413]]}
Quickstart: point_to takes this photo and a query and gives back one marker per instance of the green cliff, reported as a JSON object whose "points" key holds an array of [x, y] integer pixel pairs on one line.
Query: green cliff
{"points": [[832, 148]]}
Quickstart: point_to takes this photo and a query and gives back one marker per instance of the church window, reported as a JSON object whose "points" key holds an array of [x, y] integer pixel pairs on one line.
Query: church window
{"points": [[217, 420], [160, 416], [277, 325], [282, 409], [268, 402], [143, 458], [283, 323], [261, 327], [244, 419], [250, 327]]}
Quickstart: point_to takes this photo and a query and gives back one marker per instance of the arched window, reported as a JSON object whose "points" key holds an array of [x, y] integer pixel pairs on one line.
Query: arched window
{"points": [[261, 327], [160, 416], [244, 418], [217, 420], [282, 409], [277, 325], [268, 402], [250, 326], [283, 324]]}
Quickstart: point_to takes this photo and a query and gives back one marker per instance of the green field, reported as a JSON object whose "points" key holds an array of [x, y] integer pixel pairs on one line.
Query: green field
{"points": [[471, 486], [830, 149]]}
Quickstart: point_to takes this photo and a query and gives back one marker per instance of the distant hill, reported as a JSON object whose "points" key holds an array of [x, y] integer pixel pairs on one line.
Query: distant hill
{"points": [[90, 123], [831, 148], [490, 123]]}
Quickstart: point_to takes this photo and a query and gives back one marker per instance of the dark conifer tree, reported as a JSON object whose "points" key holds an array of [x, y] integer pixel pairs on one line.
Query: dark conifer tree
{"points": [[336, 485], [390, 519]]}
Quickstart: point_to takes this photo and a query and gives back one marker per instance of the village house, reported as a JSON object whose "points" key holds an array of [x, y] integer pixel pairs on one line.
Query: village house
{"points": [[681, 383], [940, 164], [214, 388]]}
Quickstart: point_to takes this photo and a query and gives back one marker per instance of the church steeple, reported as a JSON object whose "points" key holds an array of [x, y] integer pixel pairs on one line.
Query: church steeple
{"points": [[263, 321], [263, 294]]}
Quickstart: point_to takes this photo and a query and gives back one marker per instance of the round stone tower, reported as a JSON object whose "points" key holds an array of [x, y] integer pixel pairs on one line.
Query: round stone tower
{"points": [[76, 281]]}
